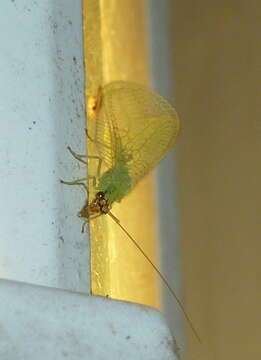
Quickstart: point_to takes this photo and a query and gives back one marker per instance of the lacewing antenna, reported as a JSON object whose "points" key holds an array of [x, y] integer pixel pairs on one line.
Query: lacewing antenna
{"points": [[159, 274]]}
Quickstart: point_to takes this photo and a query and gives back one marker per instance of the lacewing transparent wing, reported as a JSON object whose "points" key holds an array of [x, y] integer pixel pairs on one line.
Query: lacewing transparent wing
{"points": [[134, 126]]}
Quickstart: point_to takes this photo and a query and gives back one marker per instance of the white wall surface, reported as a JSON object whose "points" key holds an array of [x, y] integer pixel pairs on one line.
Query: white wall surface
{"points": [[43, 323], [41, 112]]}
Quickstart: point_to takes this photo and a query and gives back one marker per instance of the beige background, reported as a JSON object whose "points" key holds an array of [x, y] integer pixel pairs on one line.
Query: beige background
{"points": [[217, 81]]}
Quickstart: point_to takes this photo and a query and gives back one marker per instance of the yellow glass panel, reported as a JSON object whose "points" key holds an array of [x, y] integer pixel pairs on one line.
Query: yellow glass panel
{"points": [[115, 47]]}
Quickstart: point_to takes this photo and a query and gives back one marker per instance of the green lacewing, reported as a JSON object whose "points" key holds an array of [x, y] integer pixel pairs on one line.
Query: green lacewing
{"points": [[134, 129]]}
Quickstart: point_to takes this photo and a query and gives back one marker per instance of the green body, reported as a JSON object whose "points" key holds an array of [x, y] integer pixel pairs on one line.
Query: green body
{"points": [[115, 182]]}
